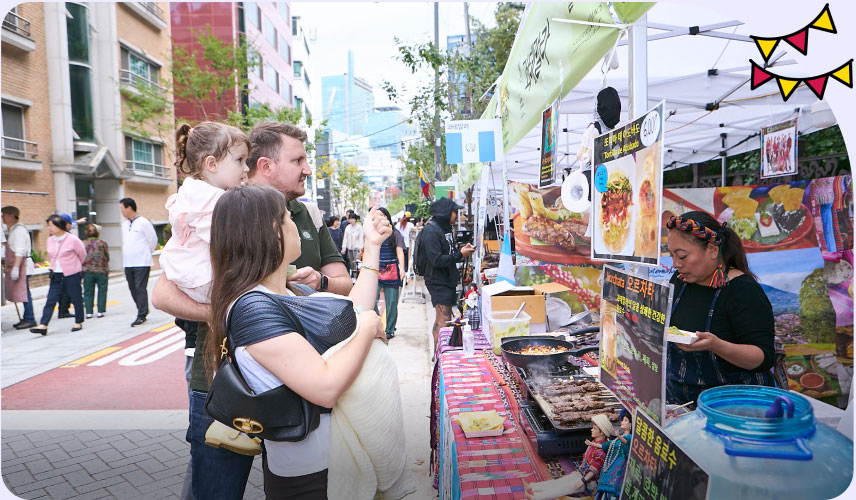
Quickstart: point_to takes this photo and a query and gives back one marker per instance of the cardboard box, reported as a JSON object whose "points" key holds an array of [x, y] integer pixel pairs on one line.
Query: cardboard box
{"points": [[503, 296]]}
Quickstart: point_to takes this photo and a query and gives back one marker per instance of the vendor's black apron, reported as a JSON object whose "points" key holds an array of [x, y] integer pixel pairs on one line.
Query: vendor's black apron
{"points": [[681, 391]]}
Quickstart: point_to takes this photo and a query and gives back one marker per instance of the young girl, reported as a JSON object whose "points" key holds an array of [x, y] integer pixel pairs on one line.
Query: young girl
{"points": [[213, 156]]}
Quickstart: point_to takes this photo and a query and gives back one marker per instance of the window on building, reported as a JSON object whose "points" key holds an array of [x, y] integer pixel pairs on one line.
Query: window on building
{"points": [[285, 51], [144, 157], [283, 11], [77, 28], [136, 70], [286, 91], [270, 33], [272, 78], [77, 25], [258, 70], [298, 104], [253, 14], [293, 26], [13, 131], [298, 69], [306, 79]]}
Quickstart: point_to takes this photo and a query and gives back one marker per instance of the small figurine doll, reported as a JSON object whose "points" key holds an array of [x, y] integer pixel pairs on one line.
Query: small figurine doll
{"points": [[612, 476], [584, 479]]}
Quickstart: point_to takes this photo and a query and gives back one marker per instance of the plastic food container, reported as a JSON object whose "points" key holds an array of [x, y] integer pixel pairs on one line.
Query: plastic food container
{"points": [[503, 324], [764, 443]]}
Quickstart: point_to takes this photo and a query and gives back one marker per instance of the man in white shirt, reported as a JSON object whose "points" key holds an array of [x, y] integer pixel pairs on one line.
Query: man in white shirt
{"points": [[352, 241], [138, 242], [19, 265]]}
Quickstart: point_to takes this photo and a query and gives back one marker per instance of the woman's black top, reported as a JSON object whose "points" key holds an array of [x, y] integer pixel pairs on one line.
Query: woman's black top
{"points": [[742, 315]]}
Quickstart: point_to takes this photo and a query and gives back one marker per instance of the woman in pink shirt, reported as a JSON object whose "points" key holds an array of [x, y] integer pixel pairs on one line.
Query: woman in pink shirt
{"points": [[66, 254]]}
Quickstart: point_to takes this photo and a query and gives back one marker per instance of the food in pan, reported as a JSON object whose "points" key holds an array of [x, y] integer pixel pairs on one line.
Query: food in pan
{"points": [[540, 350], [615, 211]]}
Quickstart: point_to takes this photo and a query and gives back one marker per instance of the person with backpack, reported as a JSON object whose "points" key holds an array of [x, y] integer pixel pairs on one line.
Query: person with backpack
{"points": [[437, 258]]}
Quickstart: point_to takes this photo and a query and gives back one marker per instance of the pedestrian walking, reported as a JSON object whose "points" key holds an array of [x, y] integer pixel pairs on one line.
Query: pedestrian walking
{"points": [[66, 254], [19, 265], [138, 242], [352, 241], [95, 271], [391, 275], [405, 227]]}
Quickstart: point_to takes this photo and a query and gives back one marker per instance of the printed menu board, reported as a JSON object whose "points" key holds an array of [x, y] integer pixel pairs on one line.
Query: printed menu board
{"points": [[634, 312], [657, 468], [627, 182]]}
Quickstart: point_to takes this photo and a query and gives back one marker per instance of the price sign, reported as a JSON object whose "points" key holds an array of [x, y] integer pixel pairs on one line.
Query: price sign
{"points": [[657, 468]]}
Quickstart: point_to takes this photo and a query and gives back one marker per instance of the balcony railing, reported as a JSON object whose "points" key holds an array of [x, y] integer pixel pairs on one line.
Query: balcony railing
{"points": [[129, 78], [154, 9], [147, 169], [17, 24], [14, 147]]}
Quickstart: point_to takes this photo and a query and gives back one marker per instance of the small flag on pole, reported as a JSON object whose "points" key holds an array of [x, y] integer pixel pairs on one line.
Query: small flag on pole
{"points": [[506, 266], [424, 184]]}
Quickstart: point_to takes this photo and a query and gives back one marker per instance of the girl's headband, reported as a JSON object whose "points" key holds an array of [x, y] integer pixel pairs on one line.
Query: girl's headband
{"points": [[693, 227]]}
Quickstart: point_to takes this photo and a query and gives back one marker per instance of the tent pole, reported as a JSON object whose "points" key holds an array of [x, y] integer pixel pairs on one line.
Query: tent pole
{"points": [[638, 74], [506, 210], [722, 181]]}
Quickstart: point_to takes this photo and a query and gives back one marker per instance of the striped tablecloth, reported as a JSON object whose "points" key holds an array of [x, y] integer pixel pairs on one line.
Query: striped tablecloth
{"points": [[478, 468]]}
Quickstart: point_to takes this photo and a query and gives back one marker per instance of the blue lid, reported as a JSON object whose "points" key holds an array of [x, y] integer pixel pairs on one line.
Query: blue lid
{"points": [[759, 421]]}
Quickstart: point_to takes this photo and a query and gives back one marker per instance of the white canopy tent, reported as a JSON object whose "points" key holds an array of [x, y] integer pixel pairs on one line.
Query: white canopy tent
{"points": [[702, 71]]}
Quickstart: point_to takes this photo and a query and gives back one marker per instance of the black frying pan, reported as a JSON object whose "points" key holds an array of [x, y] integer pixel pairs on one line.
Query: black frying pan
{"points": [[550, 361]]}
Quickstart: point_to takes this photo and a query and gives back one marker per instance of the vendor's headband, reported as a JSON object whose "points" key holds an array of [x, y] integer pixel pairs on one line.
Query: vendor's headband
{"points": [[720, 275], [693, 227]]}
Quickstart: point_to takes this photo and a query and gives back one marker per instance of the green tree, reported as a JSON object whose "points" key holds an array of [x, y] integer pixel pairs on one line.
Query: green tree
{"points": [[348, 185], [478, 72], [213, 78], [817, 315]]}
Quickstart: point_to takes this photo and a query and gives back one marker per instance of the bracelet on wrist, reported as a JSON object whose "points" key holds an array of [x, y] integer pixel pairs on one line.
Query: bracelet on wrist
{"points": [[370, 268]]}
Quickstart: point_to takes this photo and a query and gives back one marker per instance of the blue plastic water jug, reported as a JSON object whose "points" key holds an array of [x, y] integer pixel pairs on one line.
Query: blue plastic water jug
{"points": [[763, 443]]}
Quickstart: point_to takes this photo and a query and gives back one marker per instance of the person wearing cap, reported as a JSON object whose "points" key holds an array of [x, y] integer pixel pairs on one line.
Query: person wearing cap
{"points": [[405, 227], [441, 258], [584, 479], [18, 266]]}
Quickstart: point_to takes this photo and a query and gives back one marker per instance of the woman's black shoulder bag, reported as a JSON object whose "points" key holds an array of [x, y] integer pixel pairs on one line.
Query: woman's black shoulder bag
{"points": [[279, 414]]}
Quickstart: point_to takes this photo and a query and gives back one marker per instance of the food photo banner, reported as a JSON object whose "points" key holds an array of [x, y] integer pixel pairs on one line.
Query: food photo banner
{"points": [[634, 313], [779, 149], [549, 129], [657, 468], [626, 190]]}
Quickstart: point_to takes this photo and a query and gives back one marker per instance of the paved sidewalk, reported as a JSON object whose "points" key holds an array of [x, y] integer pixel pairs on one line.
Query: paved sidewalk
{"points": [[142, 454]]}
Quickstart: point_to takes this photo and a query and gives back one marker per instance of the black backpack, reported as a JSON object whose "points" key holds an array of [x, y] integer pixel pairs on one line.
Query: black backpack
{"points": [[420, 261]]}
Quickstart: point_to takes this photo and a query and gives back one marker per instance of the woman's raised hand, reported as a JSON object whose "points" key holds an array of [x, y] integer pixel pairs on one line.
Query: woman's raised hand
{"points": [[377, 228]]}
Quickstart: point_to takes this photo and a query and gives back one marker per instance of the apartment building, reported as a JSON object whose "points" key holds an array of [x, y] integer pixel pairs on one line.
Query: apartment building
{"points": [[70, 75], [267, 26]]}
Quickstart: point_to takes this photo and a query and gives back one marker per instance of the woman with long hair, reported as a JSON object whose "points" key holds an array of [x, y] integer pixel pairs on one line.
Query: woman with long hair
{"points": [[253, 239], [66, 254], [717, 296], [391, 275]]}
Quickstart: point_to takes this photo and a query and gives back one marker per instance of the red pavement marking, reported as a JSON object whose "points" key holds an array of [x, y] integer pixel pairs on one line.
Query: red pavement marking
{"points": [[126, 379]]}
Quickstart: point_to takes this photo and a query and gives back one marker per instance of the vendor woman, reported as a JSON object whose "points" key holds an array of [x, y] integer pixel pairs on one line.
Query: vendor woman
{"points": [[719, 298]]}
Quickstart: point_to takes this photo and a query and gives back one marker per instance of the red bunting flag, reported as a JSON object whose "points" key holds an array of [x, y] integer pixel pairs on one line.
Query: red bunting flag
{"points": [[759, 76], [799, 41], [817, 85]]}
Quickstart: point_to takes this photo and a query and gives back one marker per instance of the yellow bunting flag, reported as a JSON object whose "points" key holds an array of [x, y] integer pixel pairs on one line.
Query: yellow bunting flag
{"points": [[766, 45], [787, 86], [824, 21], [844, 74]]}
